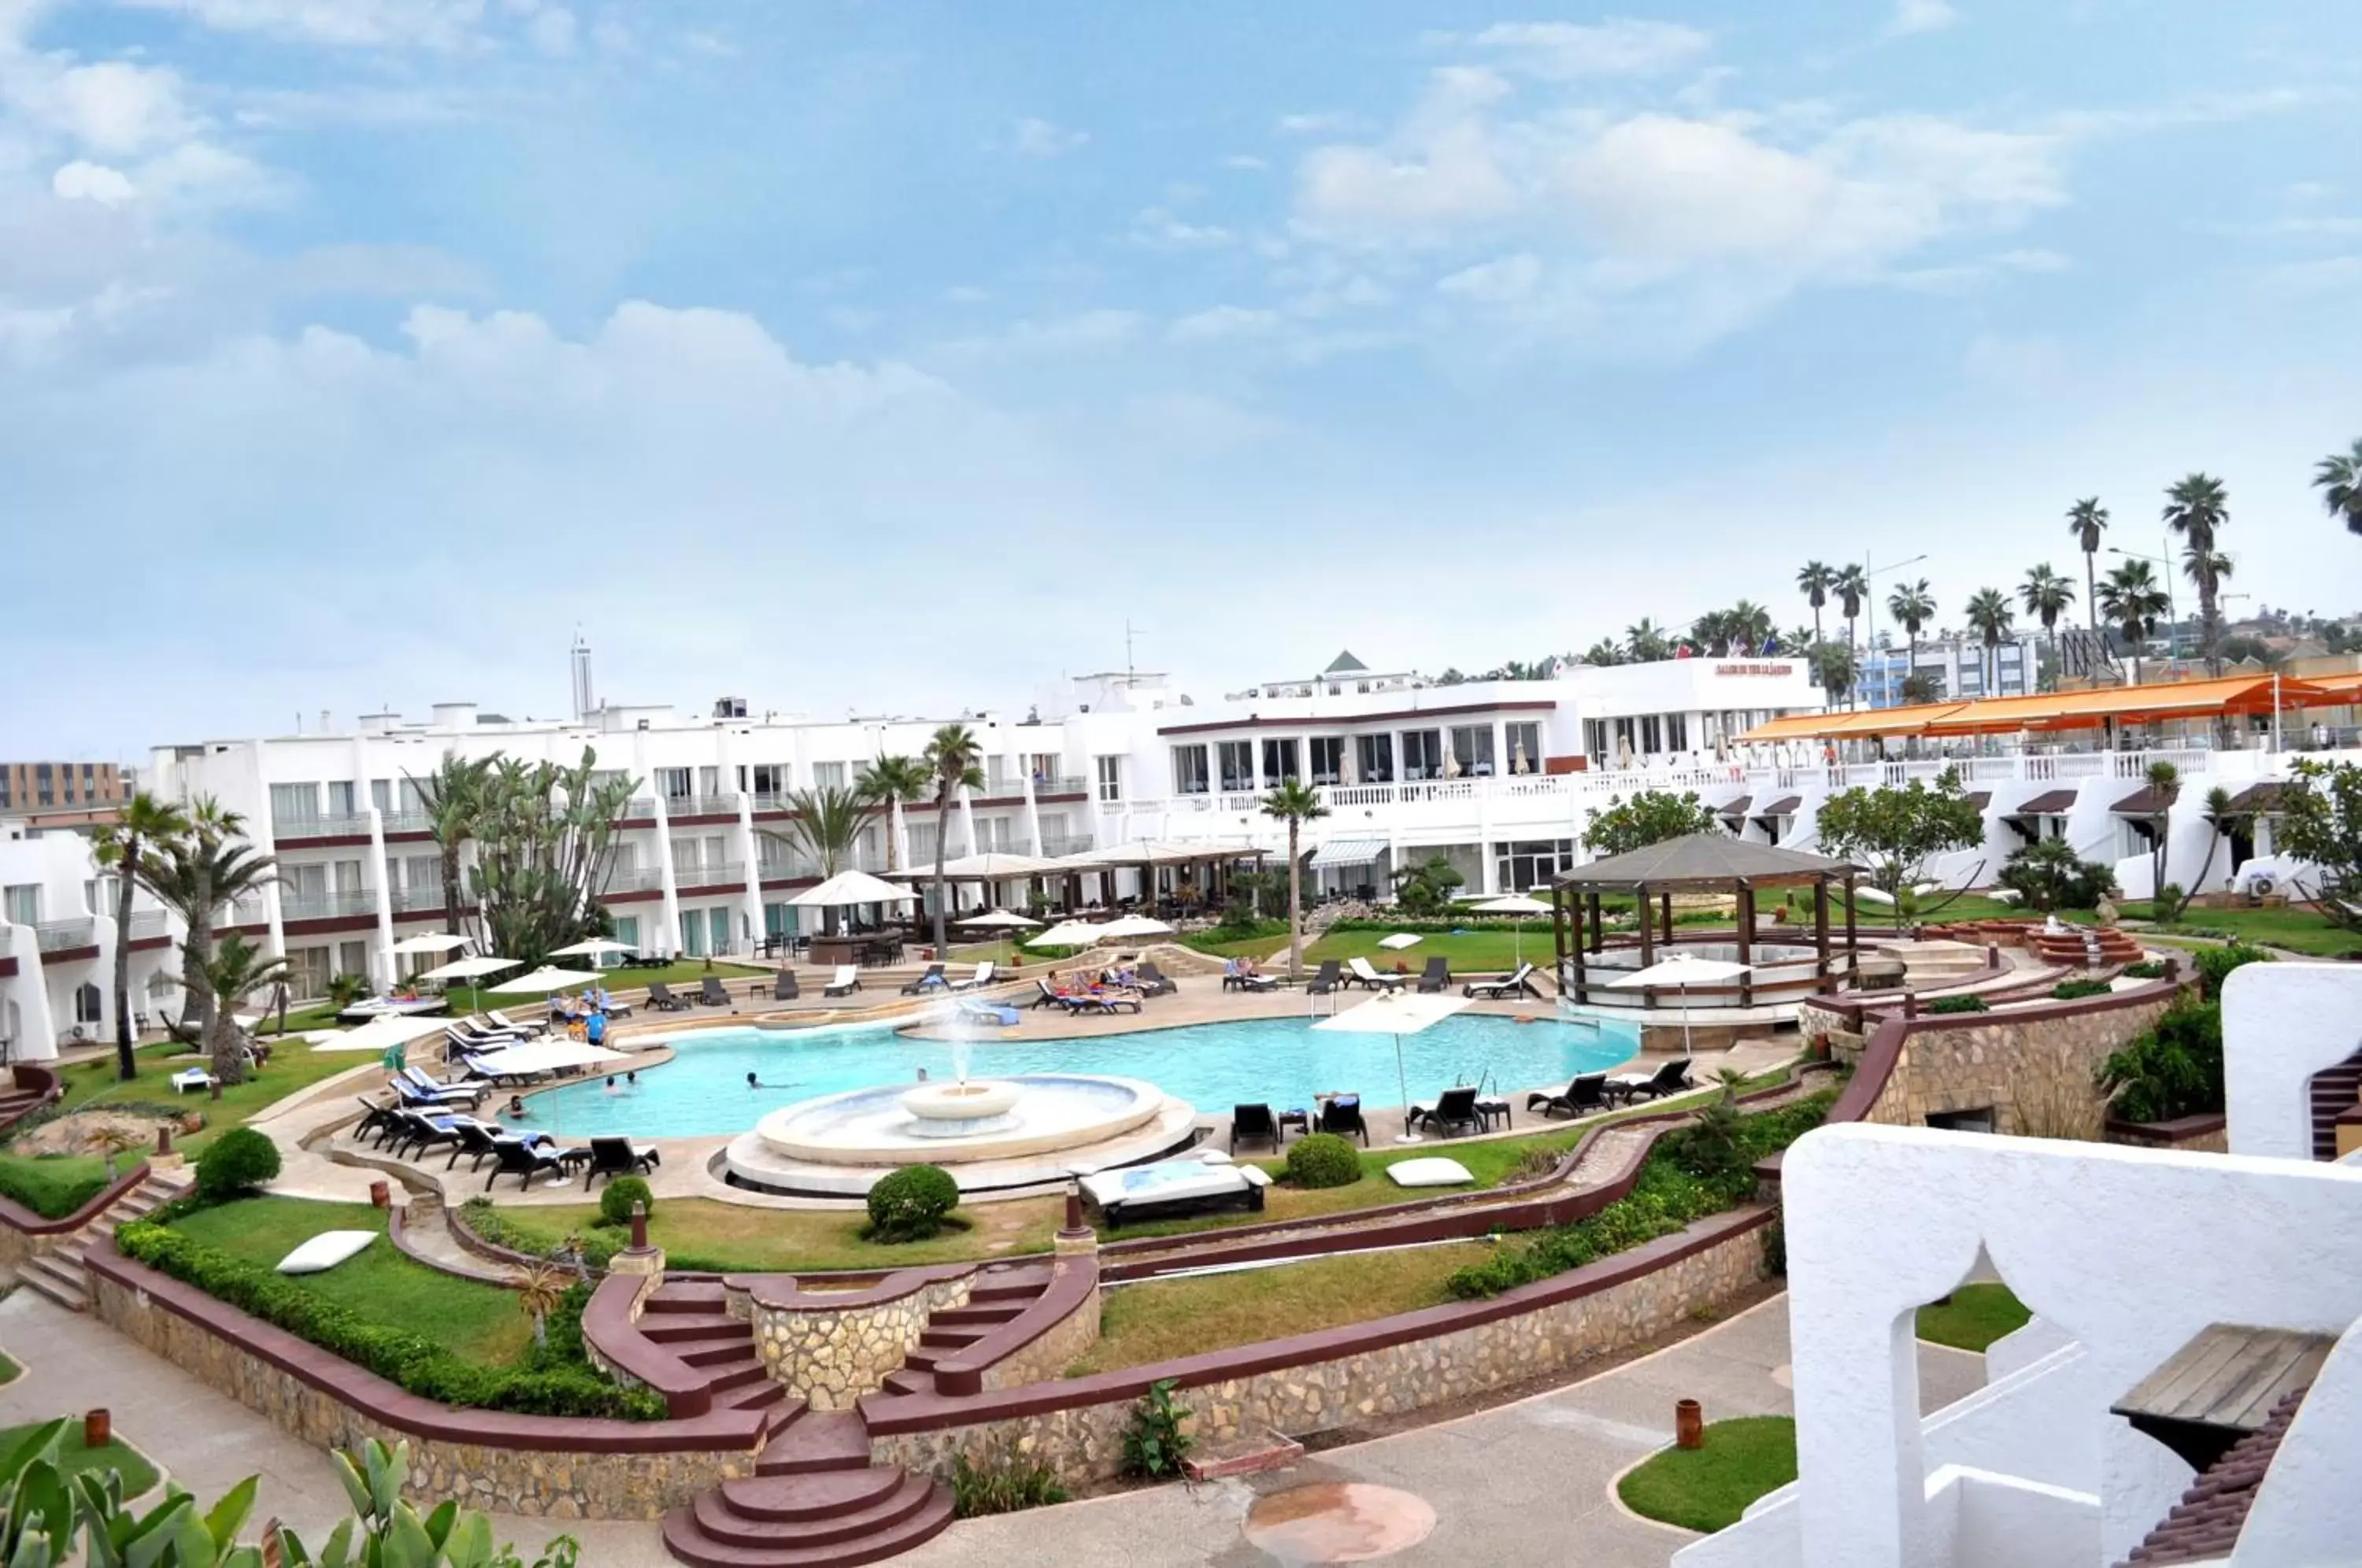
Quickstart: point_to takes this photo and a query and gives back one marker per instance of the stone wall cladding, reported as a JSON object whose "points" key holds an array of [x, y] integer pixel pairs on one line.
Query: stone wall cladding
{"points": [[1057, 1349], [830, 1356], [544, 1483], [1084, 1443], [1999, 1060], [25, 1235]]}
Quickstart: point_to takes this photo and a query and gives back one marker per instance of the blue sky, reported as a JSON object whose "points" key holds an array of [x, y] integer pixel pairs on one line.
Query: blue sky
{"points": [[866, 356]]}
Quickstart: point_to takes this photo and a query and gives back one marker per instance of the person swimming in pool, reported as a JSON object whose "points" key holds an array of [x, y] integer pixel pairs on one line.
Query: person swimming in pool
{"points": [[753, 1082], [613, 1088], [515, 1111]]}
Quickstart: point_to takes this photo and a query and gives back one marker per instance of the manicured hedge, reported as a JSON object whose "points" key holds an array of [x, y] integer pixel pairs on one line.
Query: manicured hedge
{"points": [[52, 1186], [1959, 1004], [555, 1382]]}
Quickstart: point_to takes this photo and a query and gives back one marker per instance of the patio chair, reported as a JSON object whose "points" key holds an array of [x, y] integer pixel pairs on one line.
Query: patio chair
{"points": [[188, 1078], [502, 1021], [422, 1132], [1256, 1124], [660, 997], [414, 1098], [1670, 1078], [982, 978], [375, 1118], [1436, 976], [1520, 984], [1155, 982], [1454, 1107], [1343, 1116], [612, 1157], [711, 994], [783, 987], [1585, 1092], [480, 1141], [1370, 979], [1100, 1001], [845, 982], [928, 981], [514, 1156], [1324, 983], [1044, 997]]}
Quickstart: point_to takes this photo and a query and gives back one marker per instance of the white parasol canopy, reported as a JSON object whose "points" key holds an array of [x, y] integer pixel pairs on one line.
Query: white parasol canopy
{"points": [[429, 941], [544, 1057], [1513, 904], [1400, 940], [1000, 920], [382, 1032], [991, 866], [592, 947], [1066, 934], [1681, 971], [1127, 928], [551, 979], [470, 969], [852, 888], [1397, 1013]]}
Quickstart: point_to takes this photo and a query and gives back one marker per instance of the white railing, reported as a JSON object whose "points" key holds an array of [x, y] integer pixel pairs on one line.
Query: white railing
{"points": [[348, 826], [427, 896], [635, 879], [328, 906], [55, 935], [148, 922], [712, 874]]}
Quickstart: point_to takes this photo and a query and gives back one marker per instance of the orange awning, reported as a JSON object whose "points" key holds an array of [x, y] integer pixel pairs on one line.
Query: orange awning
{"points": [[1860, 724], [2166, 699], [2337, 690]]}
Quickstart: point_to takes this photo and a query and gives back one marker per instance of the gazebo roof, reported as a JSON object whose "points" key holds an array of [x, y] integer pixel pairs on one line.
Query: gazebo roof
{"points": [[1704, 859]]}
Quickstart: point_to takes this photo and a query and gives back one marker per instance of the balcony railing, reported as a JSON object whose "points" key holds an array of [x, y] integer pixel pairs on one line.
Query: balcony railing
{"points": [[711, 874], [791, 867], [1064, 784], [146, 924], [771, 802], [406, 822], [635, 879], [426, 897], [56, 935], [352, 826], [642, 808], [703, 806], [1056, 844], [327, 906], [245, 912]]}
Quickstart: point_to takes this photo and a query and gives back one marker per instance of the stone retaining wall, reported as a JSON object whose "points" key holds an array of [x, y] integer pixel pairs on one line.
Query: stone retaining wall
{"points": [[829, 1355], [2032, 1069], [1083, 1442], [1054, 1350]]}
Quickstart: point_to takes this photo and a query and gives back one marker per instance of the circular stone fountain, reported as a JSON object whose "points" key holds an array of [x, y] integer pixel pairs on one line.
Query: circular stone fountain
{"points": [[959, 1110]]}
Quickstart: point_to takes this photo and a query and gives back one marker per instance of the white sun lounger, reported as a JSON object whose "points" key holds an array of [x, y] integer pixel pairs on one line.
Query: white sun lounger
{"points": [[1171, 1187], [845, 982], [1371, 977], [978, 981]]}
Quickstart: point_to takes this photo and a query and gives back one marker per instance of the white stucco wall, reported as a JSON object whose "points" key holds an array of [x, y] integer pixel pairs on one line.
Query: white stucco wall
{"points": [[2282, 1023], [2309, 1510]]}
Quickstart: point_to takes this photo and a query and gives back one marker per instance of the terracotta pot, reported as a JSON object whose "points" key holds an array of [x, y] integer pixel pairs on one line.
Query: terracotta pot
{"points": [[98, 1429], [380, 1195], [1689, 1424]]}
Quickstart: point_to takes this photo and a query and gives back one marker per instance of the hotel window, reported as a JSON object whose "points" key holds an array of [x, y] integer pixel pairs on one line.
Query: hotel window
{"points": [[828, 776], [1422, 754], [923, 843], [1374, 758], [340, 799], [1595, 739], [1189, 770], [381, 795], [293, 805], [89, 1005], [348, 876], [1237, 760], [1677, 731], [1472, 748], [307, 972], [765, 778], [1525, 748], [24, 903], [1042, 768], [1328, 758], [627, 930], [1534, 863], [1278, 761], [352, 959], [771, 853], [420, 872], [1652, 735], [42, 784], [672, 783], [709, 781], [1110, 769], [684, 859], [1054, 833], [413, 803]]}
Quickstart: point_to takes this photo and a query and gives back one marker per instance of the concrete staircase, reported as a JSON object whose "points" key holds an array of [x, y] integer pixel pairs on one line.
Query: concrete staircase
{"points": [[999, 1294], [15, 1104], [59, 1273]]}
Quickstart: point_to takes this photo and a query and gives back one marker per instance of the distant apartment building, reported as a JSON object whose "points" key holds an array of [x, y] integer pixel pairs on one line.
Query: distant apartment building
{"points": [[29, 786], [1961, 668]]}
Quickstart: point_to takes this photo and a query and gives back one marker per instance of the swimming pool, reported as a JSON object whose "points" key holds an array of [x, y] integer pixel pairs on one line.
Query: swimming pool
{"points": [[703, 1091]]}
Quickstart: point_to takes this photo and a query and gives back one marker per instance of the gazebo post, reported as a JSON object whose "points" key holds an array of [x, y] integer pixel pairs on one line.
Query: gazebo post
{"points": [[1665, 907], [1558, 932], [1821, 926], [1582, 992], [1747, 941], [1853, 947], [1648, 933], [1598, 926]]}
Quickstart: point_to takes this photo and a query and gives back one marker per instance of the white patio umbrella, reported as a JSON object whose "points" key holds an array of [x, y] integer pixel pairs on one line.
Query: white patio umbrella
{"points": [[381, 1033], [1000, 920], [1400, 940], [592, 947], [550, 978], [1066, 933], [1683, 971], [1513, 904], [544, 1057], [852, 888], [1128, 928], [470, 969], [1396, 1013], [428, 941]]}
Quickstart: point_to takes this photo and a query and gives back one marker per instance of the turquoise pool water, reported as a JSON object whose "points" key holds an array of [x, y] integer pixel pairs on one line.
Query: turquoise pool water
{"points": [[1213, 1065]]}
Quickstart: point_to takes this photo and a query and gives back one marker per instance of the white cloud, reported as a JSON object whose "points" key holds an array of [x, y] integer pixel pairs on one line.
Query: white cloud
{"points": [[1921, 16], [81, 181], [1619, 47], [1510, 279], [112, 108], [1327, 122], [1083, 332], [1222, 322], [1159, 229], [1245, 162], [433, 24], [552, 31], [1039, 138]]}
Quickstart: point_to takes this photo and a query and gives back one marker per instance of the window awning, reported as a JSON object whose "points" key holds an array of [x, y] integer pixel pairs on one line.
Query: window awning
{"points": [[2260, 800], [1781, 807], [2148, 801], [2188, 699], [2049, 804], [1980, 799], [1737, 808], [1347, 850]]}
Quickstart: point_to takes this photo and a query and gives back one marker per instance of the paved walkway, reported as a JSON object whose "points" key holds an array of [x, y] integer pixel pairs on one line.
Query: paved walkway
{"points": [[1523, 1484]]}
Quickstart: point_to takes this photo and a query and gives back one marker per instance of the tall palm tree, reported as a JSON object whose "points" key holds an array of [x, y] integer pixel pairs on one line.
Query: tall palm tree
{"points": [[121, 846], [1646, 642], [2132, 600], [1990, 616], [2197, 507], [1294, 802], [1814, 582], [1913, 607], [954, 761], [1852, 589], [2088, 520], [2047, 596], [1710, 633], [1748, 623], [1602, 653], [2339, 480], [207, 864], [232, 973], [453, 797], [826, 823], [894, 782]]}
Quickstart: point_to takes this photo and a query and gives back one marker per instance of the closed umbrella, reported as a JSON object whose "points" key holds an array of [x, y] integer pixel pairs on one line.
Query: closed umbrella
{"points": [[1681, 971], [1396, 1013]]}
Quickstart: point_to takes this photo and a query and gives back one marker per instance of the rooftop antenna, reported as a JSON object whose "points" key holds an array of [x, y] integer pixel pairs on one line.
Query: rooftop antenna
{"points": [[1128, 671], [580, 656]]}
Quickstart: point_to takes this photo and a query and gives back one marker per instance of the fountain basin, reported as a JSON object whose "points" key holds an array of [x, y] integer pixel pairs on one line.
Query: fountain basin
{"points": [[961, 1110], [1001, 1118]]}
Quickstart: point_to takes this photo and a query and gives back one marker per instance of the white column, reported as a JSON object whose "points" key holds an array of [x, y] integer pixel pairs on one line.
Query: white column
{"points": [[275, 938], [1032, 806], [382, 874], [968, 818], [107, 938], [671, 888], [753, 862], [901, 832], [25, 1015], [1489, 873]]}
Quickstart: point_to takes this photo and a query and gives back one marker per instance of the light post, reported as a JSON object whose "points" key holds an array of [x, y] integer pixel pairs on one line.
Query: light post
{"points": [[2172, 616], [1870, 576]]}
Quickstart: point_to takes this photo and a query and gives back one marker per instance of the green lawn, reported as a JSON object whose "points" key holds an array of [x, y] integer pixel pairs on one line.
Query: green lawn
{"points": [[2299, 931], [1708, 1488], [74, 1459], [1159, 1320], [1476, 953], [54, 1186], [480, 1322], [292, 1067], [9, 1370], [1974, 1318], [680, 971]]}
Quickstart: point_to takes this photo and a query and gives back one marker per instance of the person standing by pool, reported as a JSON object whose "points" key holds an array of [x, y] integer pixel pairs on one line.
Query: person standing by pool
{"points": [[594, 1029]]}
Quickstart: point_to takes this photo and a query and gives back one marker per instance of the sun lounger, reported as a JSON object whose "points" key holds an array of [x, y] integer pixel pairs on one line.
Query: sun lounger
{"points": [[784, 988], [480, 1141], [416, 1082], [1520, 984], [375, 1118], [1670, 1078], [1155, 982], [1236, 978], [612, 1157], [1255, 1123], [845, 982], [422, 1131], [982, 978], [1170, 1188], [1456, 1108], [926, 982], [502, 1021], [1100, 1001], [660, 997], [1370, 979], [1586, 1092], [711, 994], [1325, 981], [1343, 1116], [1044, 997], [1436, 976], [514, 1156]]}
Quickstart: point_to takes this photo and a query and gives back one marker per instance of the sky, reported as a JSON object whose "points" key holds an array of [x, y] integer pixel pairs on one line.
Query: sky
{"points": [[907, 358]]}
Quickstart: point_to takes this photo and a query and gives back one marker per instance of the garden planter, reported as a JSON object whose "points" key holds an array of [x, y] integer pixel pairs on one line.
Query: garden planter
{"points": [[1689, 1424]]}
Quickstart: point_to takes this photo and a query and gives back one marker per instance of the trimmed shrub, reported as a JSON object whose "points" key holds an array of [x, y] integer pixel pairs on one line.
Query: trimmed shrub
{"points": [[1323, 1159], [2174, 1069], [1002, 1483], [2075, 990], [1959, 1004], [2215, 964], [909, 1205], [51, 1186], [2146, 969], [616, 1198], [236, 1164]]}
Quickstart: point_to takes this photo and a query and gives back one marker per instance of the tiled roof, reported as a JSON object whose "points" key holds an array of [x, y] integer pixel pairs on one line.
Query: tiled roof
{"points": [[2050, 802], [2205, 1524]]}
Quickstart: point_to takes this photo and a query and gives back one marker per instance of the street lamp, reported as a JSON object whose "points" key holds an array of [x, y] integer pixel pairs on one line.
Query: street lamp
{"points": [[2172, 616], [1870, 576]]}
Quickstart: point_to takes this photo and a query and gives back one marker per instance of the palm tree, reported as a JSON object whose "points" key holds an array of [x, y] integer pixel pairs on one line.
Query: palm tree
{"points": [[2164, 782], [1990, 616], [1748, 623], [1602, 653], [1294, 802], [1710, 633], [2132, 600], [953, 760], [1913, 607], [236, 971], [2046, 596], [1815, 582], [122, 845], [194, 873], [2339, 480], [1646, 642], [826, 823], [894, 782], [2087, 520], [2197, 507], [1852, 589], [1834, 667], [541, 1289], [453, 797]]}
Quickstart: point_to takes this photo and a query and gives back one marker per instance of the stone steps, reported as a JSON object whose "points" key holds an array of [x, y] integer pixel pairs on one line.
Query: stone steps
{"points": [[59, 1273]]}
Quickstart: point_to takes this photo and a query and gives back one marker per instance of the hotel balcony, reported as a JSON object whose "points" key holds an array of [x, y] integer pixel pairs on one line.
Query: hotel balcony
{"points": [[1057, 843], [327, 906], [56, 935], [146, 923], [284, 830], [729, 874], [424, 899], [701, 806], [635, 879]]}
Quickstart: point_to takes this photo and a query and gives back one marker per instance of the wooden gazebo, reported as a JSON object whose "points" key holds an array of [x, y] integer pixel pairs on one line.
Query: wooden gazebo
{"points": [[1697, 863]]}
